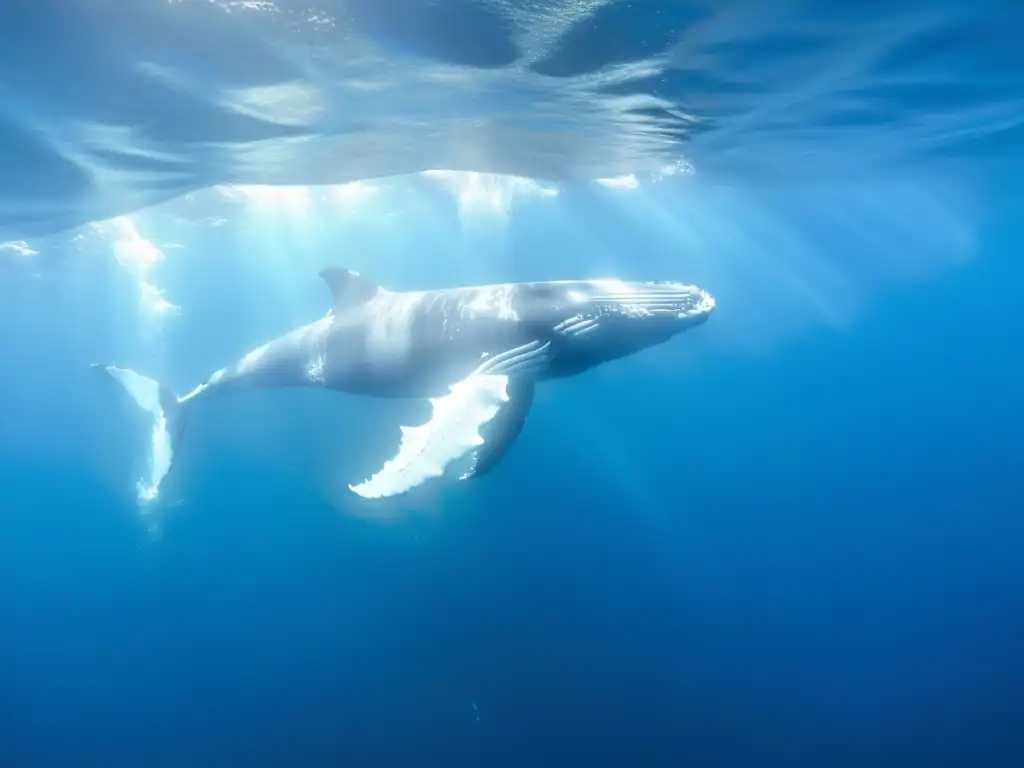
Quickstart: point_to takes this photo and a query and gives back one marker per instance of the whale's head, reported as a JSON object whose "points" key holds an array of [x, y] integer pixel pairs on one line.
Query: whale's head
{"points": [[594, 321]]}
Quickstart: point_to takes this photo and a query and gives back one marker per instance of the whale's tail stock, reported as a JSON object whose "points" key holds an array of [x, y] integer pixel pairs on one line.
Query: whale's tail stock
{"points": [[168, 414]]}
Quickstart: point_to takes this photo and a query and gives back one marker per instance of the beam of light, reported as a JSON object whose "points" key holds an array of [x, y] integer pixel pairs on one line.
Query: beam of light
{"points": [[351, 194], [781, 261], [485, 202], [488, 192], [132, 251], [153, 300], [294, 201], [138, 256]]}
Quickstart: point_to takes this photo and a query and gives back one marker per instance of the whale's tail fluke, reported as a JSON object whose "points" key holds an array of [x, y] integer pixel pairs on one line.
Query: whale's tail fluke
{"points": [[168, 425]]}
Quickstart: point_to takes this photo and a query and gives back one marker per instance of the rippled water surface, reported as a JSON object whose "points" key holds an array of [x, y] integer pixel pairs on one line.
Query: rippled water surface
{"points": [[107, 106]]}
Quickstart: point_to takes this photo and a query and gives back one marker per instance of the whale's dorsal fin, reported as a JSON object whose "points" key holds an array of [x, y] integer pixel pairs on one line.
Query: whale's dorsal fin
{"points": [[348, 288]]}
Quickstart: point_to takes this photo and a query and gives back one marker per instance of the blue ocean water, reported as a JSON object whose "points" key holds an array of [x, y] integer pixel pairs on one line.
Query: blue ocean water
{"points": [[788, 537]]}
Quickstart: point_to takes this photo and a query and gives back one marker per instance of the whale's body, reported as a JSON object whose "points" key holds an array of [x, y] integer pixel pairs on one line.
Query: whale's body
{"points": [[477, 352]]}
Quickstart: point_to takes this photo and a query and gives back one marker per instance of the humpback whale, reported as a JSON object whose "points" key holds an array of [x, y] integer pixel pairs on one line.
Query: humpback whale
{"points": [[476, 352]]}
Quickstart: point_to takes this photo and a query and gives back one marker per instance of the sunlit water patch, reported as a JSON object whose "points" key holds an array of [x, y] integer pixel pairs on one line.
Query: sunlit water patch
{"points": [[779, 263]]}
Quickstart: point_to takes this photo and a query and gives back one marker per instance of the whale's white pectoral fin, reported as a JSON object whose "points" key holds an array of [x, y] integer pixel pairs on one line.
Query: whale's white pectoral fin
{"points": [[502, 430], [454, 429], [452, 432]]}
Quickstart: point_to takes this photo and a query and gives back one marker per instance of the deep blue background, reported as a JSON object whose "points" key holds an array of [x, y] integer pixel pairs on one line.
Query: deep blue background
{"points": [[804, 557], [789, 538]]}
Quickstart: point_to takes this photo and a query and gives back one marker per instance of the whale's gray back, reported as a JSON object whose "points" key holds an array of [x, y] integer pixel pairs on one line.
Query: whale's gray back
{"points": [[417, 343]]}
